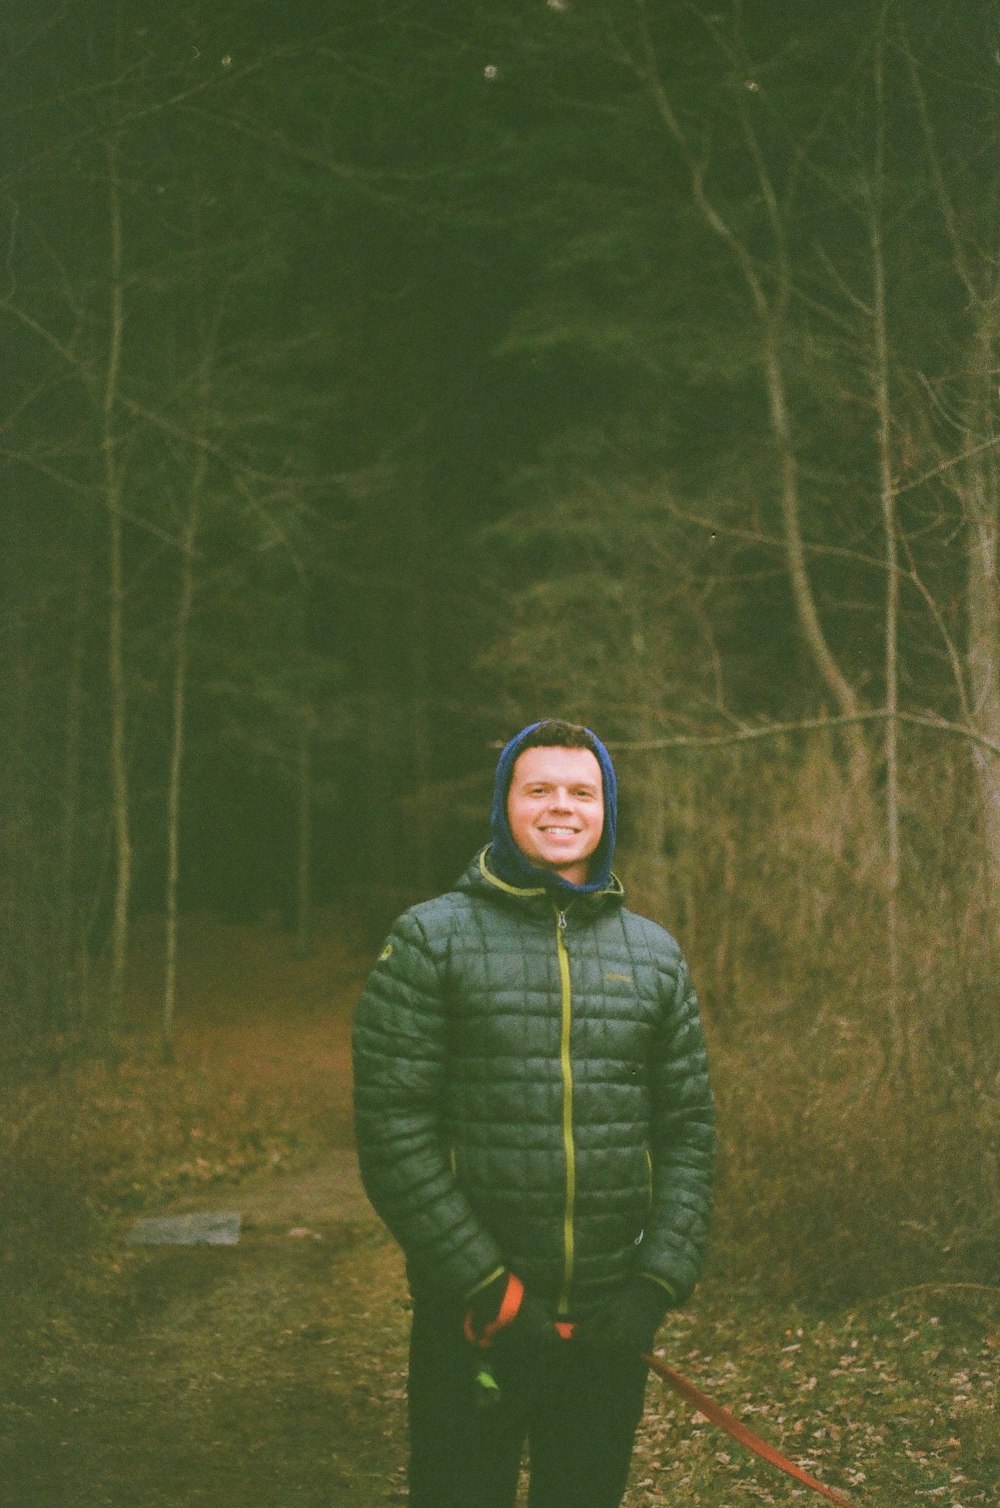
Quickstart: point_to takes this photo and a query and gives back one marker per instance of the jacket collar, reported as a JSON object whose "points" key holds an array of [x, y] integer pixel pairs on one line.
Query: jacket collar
{"points": [[481, 876]]}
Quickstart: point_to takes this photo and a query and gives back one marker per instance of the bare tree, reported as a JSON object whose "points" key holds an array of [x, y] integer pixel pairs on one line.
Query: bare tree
{"points": [[899, 1022], [770, 286], [114, 491], [973, 475], [178, 717]]}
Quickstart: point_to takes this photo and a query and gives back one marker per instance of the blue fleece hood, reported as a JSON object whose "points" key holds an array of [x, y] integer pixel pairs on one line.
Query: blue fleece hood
{"points": [[505, 858]]}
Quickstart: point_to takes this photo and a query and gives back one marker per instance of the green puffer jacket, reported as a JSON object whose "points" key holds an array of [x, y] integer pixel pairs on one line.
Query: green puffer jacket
{"points": [[531, 1091]]}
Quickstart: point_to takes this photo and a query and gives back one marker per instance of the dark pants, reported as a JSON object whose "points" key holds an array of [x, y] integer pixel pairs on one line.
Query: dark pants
{"points": [[576, 1413]]}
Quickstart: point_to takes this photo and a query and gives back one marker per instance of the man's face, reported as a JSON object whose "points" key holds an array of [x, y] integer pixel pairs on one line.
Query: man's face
{"points": [[555, 808]]}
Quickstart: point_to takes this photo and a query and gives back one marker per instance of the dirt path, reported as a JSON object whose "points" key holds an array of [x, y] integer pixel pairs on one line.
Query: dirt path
{"points": [[326, 1198], [265, 1374]]}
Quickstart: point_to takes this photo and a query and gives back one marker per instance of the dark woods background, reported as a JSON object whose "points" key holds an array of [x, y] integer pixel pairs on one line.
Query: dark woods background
{"points": [[373, 386]]}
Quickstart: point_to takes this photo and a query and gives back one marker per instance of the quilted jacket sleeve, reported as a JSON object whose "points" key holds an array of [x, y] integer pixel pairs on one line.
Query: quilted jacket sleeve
{"points": [[682, 1144], [399, 1046]]}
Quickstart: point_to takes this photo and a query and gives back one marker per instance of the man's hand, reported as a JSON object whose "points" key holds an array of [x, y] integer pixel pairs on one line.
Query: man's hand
{"points": [[624, 1325], [529, 1328]]}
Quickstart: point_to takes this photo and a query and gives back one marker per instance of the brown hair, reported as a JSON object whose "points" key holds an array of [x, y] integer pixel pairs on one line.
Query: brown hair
{"points": [[554, 733]]}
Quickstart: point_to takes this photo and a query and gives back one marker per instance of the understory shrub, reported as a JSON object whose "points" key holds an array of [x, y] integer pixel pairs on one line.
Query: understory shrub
{"points": [[838, 1183]]}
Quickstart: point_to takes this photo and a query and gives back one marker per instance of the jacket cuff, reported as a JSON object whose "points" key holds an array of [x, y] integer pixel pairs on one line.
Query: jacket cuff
{"points": [[668, 1288], [497, 1272]]}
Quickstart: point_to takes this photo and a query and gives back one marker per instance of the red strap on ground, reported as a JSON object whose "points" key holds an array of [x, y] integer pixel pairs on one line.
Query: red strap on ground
{"points": [[739, 1431]]}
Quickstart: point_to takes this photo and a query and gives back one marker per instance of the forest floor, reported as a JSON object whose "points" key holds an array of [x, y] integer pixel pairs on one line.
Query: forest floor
{"points": [[271, 1373]]}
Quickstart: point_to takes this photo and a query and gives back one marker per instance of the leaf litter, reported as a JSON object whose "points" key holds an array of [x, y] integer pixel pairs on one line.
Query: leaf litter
{"points": [[273, 1371]]}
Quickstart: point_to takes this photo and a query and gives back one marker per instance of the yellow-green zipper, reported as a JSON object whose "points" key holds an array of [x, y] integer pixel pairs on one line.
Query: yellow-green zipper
{"points": [[566, 1068]]}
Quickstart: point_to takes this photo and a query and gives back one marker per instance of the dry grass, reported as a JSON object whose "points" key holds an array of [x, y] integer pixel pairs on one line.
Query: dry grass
{"points": [[839, 1184]]}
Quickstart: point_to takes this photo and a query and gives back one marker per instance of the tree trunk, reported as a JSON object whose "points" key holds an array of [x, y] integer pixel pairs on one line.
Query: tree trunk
{"points": [[69, 1007], [983, 657], [177, 735], [178, 726], [899, 1022], [303, 906], [22, 965], [113, 495], [831, 675], [420, 719]]}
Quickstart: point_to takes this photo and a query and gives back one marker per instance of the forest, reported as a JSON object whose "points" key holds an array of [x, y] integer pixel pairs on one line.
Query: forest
{"points": [[379, 379]]}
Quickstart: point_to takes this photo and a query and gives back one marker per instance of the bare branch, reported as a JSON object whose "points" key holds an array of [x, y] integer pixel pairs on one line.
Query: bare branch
{"points": [[933, 157], [806, 725], [951, 649], [947, 465], [67, 354]]}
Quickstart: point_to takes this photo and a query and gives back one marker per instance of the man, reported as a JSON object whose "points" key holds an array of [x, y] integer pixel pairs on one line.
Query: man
{"points": [[535, 1126]]}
